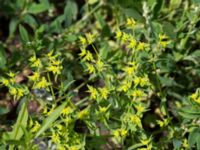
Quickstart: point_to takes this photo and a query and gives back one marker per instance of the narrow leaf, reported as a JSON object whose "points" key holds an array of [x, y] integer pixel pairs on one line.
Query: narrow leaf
{"points": [[50, 119], [23, 34]]}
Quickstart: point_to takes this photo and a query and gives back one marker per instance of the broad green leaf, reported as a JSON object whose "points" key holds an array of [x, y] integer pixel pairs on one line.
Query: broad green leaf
{"points": [[3, 110], [177, 143], [133, 13], [167, 81], [196, 53], [56, 26], [70, 12], [50, 119], [23, 34], [194, 137], [35, 8], [71, 38], [169, 29], [20, 3]]}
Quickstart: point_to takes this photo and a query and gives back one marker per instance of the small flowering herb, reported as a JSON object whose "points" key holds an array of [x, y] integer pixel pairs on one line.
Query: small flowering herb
{"points": [[95, 75]]}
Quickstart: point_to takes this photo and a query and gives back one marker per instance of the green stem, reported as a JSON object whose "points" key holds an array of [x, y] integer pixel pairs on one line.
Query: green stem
{"points": [[51, 88]]}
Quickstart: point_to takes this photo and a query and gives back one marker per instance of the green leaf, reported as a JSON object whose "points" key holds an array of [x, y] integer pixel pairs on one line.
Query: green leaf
{"points": [[30, 20], [50, 119], [151, 3], [189, 113], [194, 137], [3, 110], [23, 34], [21, 122], [167, 81], [196, 53], [12, 26], [133, 13], [175, 4], [17, 131], [169, 29], [20, 3], [198, 142], [158, 7], [196, 1], [2, 57], [91, 2], [70, 12], [35, 8], [177, 143]]}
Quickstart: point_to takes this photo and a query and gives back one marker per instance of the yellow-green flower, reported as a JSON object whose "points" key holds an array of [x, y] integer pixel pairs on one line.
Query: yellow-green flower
{"points": [[55, 138], [141, 46], [35, 76], [163, 40], [33, 59], [90, 68], [93, 92], [83, 40], [195, 97], [66, 111], [137, 93], [140, 109], [125, 86], [35, 127], [82, 114], [120, 133], [83, 53], [185, 143], [132, 43], [37, 63], [135, 119], [90, 38], [88, 57], [4, 81], [73, 148], [144, 81], [125, 38], [55, 69], [17, 92], [99, 65], [11, 74], [20, 92], [104, 92], [41, 84], [130, 22], [130, 70], [103, 109], [13, 91], [163, 123], [118, 35]]}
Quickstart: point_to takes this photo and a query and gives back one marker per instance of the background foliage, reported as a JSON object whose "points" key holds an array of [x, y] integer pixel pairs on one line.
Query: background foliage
{"points": [[103, 91]]}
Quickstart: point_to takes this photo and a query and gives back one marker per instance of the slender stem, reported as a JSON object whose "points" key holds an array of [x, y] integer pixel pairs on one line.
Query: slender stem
{"points": [[51, 88]]}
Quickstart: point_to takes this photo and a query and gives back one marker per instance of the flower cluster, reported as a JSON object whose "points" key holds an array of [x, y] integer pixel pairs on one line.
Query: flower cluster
{"points": [[15, 89]]}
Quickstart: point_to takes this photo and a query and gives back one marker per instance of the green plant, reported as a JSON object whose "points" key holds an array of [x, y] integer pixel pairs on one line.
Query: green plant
{"points": [[118, 78]]}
